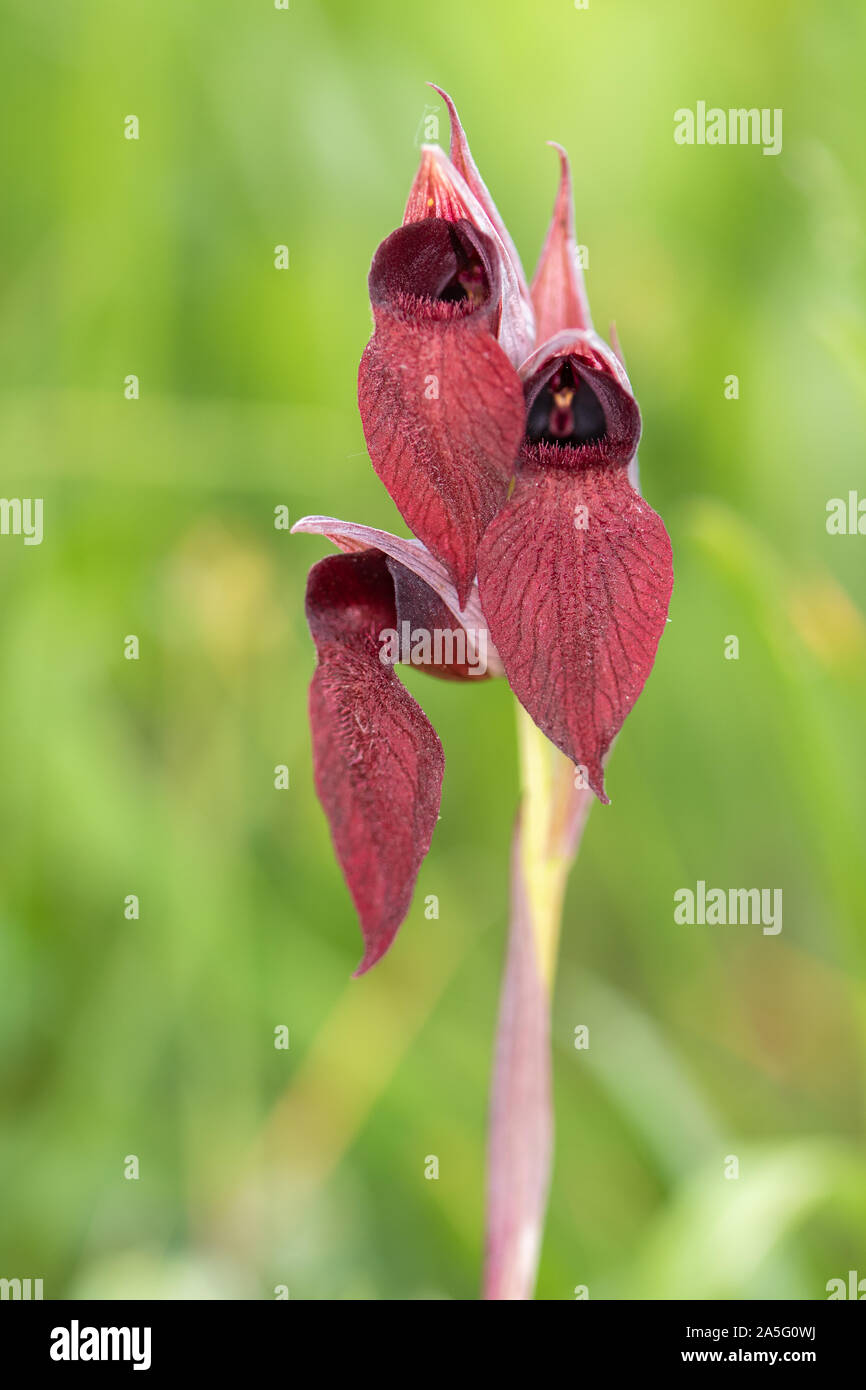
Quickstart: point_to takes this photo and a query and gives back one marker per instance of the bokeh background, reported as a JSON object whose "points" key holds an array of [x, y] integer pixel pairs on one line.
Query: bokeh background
{"points": [[155, 1037]]}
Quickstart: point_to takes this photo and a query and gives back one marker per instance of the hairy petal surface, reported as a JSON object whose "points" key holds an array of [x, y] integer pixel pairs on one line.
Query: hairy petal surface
{"points": [[575, 576], [378, 762], [575, 573], [441, 405]]}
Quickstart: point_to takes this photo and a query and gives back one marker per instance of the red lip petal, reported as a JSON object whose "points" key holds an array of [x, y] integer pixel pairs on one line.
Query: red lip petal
{"points": [[576, 614], [378, 762], [447, 463], [441, 405]]}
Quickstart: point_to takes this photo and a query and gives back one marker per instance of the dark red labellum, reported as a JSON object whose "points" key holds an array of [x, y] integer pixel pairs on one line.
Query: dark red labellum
{"points": [[378, 763], [575, 572], [442, 406]]}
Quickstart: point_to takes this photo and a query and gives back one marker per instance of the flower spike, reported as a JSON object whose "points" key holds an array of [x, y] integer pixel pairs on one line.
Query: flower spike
{"points": [[513, 460]]}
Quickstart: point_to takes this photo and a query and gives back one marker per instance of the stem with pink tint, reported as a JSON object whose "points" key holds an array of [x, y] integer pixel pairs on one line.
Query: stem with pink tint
{"points": [[550, 821]]}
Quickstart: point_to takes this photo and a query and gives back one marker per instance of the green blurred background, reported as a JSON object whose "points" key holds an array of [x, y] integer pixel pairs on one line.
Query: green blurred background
{"points": [[154, 1037]]}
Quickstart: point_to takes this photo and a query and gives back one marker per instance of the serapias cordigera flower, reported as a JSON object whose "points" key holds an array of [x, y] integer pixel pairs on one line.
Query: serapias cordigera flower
{"points": [[505, 430]]}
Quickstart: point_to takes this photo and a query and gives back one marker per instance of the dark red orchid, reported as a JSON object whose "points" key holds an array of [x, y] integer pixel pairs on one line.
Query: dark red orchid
{"points": [[509, 450]]}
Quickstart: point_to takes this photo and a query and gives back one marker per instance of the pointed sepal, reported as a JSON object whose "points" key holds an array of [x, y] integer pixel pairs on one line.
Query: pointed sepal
{"points": [[378, 762], [452, 189], [558, 290]]}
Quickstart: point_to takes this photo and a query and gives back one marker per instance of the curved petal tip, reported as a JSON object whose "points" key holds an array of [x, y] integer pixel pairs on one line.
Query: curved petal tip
{"points": [[558, 291]]}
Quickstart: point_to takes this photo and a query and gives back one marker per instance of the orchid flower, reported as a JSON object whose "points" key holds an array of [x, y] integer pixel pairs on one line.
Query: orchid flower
{"points": [[505, 431], [378, 763]]}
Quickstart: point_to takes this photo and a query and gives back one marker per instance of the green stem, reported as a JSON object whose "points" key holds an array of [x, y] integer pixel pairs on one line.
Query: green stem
{"points": [[552, 812]]}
